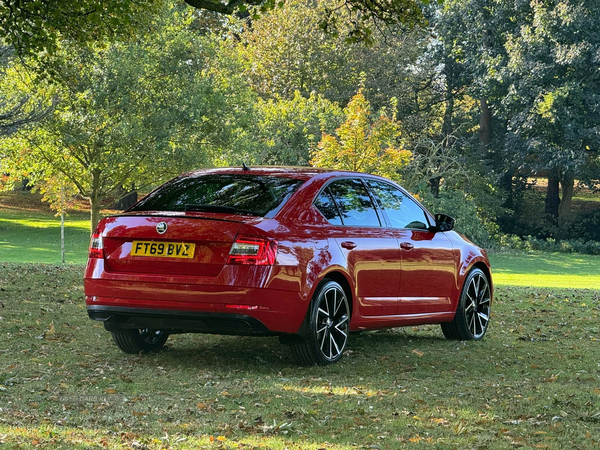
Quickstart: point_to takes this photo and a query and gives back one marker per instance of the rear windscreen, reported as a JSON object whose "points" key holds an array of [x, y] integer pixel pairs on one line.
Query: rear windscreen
{"points": [[244, 194]]}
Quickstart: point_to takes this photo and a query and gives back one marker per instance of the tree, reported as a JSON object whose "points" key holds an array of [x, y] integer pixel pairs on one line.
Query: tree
{"points": [[130, 114], [363, 145], [285, 51], [554, 95], [60, 193], [357, 19], [34, 28], [282, 131], [533, 68], [16, 110]]}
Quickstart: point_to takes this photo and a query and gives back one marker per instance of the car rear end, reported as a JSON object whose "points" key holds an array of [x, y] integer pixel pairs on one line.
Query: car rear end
{"points": [[196, 255]]}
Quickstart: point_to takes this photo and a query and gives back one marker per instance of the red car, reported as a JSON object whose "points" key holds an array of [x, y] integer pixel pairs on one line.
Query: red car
{"points": [[305, 254]]}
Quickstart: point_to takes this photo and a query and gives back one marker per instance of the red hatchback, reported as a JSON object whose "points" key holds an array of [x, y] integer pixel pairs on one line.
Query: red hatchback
{"points": [[306, 254]]}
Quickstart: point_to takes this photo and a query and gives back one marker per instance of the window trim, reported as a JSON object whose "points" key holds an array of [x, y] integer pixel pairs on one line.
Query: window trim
{"points": [[427, 214], [378, 212]]}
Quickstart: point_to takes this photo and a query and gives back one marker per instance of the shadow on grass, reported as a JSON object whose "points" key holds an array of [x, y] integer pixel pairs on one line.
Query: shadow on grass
{"points": [[226, 354]]}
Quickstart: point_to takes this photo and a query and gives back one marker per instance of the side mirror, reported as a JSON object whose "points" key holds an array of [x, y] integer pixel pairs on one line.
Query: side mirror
{"points": [[444, 222]]}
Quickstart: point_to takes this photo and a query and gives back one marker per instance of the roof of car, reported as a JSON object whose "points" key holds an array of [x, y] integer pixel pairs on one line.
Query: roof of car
{"points": [[298, 172]]}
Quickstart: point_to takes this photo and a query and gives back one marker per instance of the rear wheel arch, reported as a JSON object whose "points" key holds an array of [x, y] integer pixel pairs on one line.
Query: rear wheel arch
{"points": [[342, 280], [324, 334]]}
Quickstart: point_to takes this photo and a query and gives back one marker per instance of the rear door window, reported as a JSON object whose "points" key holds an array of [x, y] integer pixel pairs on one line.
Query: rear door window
{"points": [[257, 195], [354, 203]]}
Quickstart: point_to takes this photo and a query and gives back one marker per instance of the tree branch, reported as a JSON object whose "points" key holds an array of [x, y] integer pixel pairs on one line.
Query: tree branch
{"points": [[217, 6], [17, 116]]}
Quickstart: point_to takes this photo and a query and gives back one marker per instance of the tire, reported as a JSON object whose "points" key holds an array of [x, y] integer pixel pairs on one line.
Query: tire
{"points": [[329, 326], [135, 341], [473, 310]]}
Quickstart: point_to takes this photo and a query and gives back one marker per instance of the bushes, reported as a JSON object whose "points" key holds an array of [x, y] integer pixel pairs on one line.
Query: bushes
{"points": [[585, 226], [470, 218], [511, 241], [478, 224]]}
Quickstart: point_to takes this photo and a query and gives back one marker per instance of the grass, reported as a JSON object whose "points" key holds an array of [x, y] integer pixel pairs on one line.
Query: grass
{"points": [[586, 196], [551, 270], [533, 382], [29, 231]]}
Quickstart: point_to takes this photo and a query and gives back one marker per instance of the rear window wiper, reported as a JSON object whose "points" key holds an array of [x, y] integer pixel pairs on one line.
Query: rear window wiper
{"points": [[217, 209]]}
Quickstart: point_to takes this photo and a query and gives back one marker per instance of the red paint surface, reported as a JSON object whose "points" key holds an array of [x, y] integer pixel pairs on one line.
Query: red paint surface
{"points": [[396, 277]]}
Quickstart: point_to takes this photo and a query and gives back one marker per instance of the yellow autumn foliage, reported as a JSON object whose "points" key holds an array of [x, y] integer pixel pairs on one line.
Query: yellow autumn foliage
{"points": [[363, 145]]}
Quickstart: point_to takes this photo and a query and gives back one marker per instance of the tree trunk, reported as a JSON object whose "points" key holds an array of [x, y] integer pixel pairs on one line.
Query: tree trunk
{"points": [[447, 130], [95, 214], [448, 113], [552, 195], [506, 183], [95, 201], [62, 223], [62, 237], [434, 186], [567, 184], [485, 120]]}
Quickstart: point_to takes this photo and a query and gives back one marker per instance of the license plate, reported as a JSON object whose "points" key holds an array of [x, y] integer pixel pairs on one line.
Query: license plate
{"points": [[164, 249]]}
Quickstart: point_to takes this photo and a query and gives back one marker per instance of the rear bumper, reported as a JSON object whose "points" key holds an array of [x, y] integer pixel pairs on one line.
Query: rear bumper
{"points": [[177, 297], [117, 318]]}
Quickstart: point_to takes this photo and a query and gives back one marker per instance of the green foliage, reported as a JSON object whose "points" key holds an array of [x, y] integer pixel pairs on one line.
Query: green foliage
{"points": [[363, 145], [529, 243], [471, 219], [586, 226], [16, 109], [285, 51], [58, 192], [34, 28], [535, 66], [129, 113], [356, 19], [281, 131]]}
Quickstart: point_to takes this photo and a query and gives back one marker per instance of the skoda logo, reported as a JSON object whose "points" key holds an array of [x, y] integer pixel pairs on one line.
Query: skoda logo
{"points": [[161, 227]]}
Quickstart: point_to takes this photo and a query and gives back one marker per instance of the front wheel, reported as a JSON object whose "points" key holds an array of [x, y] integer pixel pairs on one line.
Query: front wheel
{"points": [[135, 341], [328, 328], [473, 311]]}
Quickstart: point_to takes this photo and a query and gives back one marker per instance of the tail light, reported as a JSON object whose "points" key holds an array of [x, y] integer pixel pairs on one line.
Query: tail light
{"points": [[253, 251], [96, 246]]}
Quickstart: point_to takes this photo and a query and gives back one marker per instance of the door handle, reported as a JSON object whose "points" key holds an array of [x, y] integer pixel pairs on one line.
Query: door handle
{"points": [[407, 246], [349, 245]]}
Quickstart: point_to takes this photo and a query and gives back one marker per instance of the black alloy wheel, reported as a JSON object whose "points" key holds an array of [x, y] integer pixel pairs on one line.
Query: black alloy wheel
{"points": [[329, 327], [473, 311], [135, 341]]}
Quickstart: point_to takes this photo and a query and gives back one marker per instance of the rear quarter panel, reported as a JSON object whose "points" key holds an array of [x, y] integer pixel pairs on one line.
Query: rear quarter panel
{"points": [[306, 252]]}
